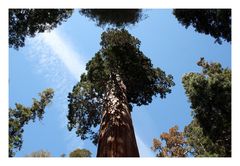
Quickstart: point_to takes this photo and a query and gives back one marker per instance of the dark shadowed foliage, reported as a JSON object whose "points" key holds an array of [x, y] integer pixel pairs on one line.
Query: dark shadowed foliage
{"points": [[28, 22], [114, 17], [201, 145], [214, 22]]}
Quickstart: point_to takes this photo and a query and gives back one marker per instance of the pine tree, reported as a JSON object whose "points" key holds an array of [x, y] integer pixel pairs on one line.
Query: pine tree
{"points": [[119, 76], [209, 93], [21, 115]]}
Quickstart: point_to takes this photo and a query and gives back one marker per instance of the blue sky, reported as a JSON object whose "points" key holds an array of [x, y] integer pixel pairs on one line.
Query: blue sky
{"points": [[57, 59]]}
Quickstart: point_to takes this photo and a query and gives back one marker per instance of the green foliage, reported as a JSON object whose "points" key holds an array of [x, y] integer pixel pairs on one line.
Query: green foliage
{"points": [[191, 142], [80, 153], [210, 95], [21, 115], [40, 153], [115, 17], [174, 144], [201, 145], [216, 22], [28, 22], [119, 55]]}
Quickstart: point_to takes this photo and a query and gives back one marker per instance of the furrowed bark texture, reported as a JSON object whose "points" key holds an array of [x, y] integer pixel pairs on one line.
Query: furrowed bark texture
{"points": [[116, 136]]}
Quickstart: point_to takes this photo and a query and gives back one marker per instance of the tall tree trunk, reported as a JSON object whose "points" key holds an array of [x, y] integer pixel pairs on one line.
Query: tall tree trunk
{"points": [[116, 136]]}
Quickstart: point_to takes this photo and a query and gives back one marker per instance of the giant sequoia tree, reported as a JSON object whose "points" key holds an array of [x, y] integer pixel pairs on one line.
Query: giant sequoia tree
{"points": [[28, 22], [21, 115], [215, 22], [118, 76], [210, 95]]}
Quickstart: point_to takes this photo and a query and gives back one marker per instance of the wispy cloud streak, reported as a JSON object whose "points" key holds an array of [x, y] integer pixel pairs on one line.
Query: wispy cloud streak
{"points": [[60, 66], [65, 53], [144, 150]]}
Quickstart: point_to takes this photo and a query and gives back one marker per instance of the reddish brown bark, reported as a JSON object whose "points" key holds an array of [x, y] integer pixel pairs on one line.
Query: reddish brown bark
{"points": [[116, 136]]}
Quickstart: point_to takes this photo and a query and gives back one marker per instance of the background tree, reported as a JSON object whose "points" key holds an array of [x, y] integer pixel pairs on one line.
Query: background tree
{"points": [[115, 17], [174, 144], [191, 142], [119, 76], [209, 93], [29, 22], [40, 153], [21, 115], [215, 22], [80, 153], [201, 145]]}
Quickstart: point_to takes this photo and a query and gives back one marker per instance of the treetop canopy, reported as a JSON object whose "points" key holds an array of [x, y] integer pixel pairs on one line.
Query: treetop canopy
{"points": [[114, 17]]}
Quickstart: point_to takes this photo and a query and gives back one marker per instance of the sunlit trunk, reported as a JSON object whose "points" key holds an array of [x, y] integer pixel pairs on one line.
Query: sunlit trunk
{"points": [[116, 136]]}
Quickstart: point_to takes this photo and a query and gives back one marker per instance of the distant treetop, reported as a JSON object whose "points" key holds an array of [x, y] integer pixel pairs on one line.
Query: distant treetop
{"points": [[40, 153], [114, 17], [80, 153]]}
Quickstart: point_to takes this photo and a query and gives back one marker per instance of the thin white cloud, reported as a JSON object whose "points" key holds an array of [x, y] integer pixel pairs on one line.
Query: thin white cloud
{"points": [[58, 64], [65, 53], [144, 150], [56, 60]]}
